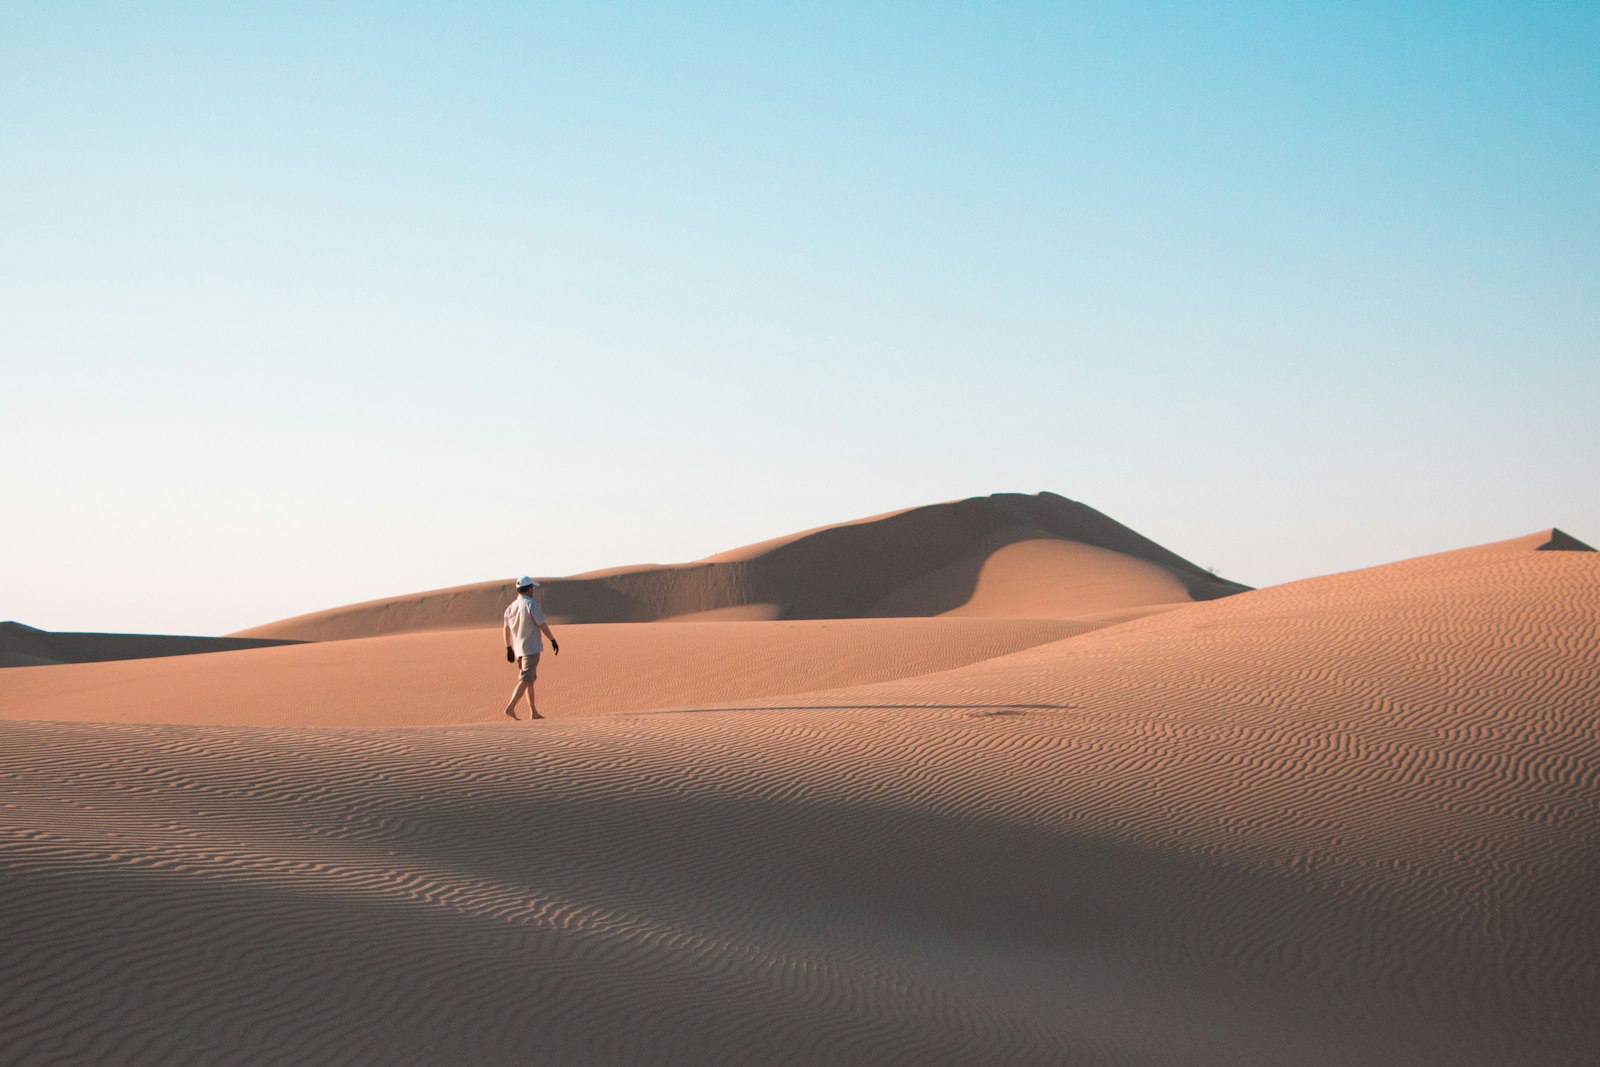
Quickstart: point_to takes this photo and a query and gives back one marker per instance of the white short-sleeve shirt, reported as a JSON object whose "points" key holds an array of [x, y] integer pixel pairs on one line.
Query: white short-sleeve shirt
{"points": [[524, 618]]}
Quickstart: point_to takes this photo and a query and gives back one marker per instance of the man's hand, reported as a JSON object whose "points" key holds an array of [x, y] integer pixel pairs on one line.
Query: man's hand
{"points": [[555, 646], [509, 657]]}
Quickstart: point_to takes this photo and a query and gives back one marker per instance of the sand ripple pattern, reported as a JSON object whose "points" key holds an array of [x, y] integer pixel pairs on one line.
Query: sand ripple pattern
{"points": [[1348, 821]]}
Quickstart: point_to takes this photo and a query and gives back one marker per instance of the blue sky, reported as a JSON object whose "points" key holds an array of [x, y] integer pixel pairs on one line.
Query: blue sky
{"points": [[308, 304]]}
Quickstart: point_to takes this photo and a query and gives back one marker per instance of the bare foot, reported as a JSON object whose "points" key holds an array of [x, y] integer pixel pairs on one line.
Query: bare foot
{"points": [[512, 712], [535, 715]]}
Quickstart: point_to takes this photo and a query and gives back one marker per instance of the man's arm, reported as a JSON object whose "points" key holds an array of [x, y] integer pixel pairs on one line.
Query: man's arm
{"points": [[505, 632], [555, 646]]}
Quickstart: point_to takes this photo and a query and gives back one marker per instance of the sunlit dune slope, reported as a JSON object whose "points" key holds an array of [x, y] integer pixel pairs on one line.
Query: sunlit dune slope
{"points": [[925, 561], [460, 676], [1019, 574], [1354, 820]]}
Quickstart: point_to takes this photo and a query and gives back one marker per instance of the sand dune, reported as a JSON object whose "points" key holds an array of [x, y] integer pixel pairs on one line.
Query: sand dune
{"points": [[460, 676], [24, 646], [1019, 574], [924, 561], [1353, 820]]}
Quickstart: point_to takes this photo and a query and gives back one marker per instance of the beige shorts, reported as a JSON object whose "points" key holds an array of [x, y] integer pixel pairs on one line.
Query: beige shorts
{"points": [[528, 667]]}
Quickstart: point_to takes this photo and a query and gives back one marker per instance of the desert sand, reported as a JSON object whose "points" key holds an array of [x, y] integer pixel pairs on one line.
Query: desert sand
{"points": [[453, 677], [25, 646], [1054, 557], [1078, 819]]}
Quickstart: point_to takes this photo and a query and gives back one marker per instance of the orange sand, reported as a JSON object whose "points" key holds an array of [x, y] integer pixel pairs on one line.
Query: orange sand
{"points": [[1352, 820], [457, 677], [1006, 555], [24, 646]]}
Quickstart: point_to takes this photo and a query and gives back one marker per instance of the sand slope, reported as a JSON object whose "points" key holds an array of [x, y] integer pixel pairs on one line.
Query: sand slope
{"points": [[24, 646], [460, 676], [924, 561], [1019, 574], [1354, 820]]}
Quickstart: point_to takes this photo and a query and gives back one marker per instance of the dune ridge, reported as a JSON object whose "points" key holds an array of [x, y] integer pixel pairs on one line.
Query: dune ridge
{"points": [[1559, 541], [1351, 820], [25, 646], [848, 570]]}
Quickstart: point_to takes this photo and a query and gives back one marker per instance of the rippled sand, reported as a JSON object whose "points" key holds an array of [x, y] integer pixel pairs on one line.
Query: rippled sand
{"points": [[1353, 820]]}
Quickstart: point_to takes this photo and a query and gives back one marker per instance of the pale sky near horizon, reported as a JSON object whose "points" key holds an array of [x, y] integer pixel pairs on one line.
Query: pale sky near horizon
{"points": [[305, 304]]}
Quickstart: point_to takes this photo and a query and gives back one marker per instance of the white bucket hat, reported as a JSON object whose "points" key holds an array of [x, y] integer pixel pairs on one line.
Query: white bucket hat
{"points": [[526, 583]]}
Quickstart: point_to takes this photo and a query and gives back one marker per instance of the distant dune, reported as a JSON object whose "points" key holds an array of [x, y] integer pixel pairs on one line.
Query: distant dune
{"points": [[24, 646], [1353, 820], [1038, 556]]}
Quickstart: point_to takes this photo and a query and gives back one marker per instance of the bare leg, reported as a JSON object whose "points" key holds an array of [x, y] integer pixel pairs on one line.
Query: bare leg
{"points": [[533, 708], [516, 694]]}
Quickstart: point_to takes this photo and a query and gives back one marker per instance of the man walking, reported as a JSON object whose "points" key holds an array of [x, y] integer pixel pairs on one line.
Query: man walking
{"points": [[524, 621]]}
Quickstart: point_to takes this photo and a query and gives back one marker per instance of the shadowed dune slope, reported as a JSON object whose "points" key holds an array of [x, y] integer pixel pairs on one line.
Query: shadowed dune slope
{"points": [[924, 561], [460, 676], [25, 646], [1564, 542], [1353, 820], [1551, 540]]}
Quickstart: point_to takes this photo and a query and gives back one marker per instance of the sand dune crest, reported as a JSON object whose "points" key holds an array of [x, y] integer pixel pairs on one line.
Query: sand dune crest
{"points": [[920, 561]]}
